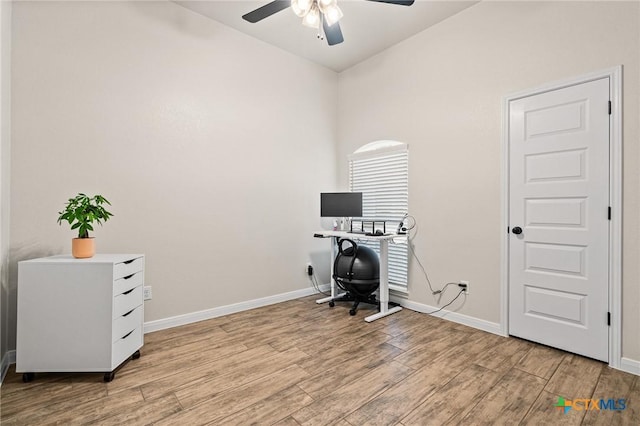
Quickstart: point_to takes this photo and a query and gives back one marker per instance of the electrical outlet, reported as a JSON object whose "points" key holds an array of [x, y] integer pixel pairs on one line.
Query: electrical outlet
{"points": [[147, 292], [467, 284], [308, 269]]}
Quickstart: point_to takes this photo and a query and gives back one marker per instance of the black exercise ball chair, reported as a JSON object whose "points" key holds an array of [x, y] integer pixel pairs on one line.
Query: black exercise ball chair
{"points": [[356, 270]]}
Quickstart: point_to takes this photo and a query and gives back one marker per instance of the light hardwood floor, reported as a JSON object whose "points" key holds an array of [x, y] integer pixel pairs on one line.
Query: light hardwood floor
{"points": [[298, 363]]}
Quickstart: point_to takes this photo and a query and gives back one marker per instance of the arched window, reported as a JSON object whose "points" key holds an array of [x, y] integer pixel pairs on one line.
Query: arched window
{"points": [[380, 170]]}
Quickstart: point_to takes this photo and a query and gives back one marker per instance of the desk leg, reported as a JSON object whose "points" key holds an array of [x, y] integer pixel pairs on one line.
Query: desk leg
{"points": [[331, 280], [384, 285]]}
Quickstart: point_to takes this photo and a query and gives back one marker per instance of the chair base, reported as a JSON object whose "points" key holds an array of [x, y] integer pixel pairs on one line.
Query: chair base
{"points": [[349, 297]]}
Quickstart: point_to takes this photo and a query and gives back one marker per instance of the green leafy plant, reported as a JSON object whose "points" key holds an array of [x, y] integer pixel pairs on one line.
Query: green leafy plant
{"points": [[82, 210]]}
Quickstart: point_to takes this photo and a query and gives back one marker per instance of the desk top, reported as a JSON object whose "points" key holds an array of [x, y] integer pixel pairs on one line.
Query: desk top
{"points": [[354, 236]]}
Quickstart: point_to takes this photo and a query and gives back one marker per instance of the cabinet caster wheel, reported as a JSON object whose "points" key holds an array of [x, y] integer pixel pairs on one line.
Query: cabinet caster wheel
{"points": [[109, 376], [135, 355], [332, 304], [352, 312], [28, 377]]}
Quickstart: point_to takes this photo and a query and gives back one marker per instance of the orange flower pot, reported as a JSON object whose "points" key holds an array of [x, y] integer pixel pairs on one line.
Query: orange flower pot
{"points": [[82, 248]]}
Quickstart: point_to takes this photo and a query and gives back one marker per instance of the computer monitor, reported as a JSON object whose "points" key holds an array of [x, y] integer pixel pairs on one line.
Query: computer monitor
{"points": [[341, 204]]}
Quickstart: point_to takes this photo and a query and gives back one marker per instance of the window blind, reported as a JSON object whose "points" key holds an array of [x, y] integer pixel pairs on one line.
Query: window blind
{"points": [[383, 178]]}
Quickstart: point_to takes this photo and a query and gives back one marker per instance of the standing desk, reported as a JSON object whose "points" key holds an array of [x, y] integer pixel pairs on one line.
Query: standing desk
{"points": [[384, 268]]}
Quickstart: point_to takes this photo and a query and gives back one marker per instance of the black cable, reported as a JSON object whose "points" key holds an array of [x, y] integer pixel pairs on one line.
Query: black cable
{"points": [[316, 285], [444, 289], [410, 227], [454, 299]]}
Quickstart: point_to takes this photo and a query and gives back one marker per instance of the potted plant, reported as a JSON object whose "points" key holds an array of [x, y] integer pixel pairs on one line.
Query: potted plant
{"points": [[81, 211]]}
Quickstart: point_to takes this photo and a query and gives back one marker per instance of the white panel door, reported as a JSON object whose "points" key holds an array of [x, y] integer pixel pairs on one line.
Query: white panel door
{"points": [[558, 218]]}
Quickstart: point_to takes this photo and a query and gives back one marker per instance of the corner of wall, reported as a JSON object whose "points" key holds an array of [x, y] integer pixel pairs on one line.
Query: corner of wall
{"points": [[5, 156]]}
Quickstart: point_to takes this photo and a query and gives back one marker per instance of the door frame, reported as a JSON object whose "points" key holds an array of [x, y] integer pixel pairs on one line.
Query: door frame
{"points": [[615, 201]]}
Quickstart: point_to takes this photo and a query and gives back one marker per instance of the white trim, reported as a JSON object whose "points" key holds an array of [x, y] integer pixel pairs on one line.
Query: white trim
{"points": [[178, 320], [630, 366], [151, 326], [504, 220], [403, 147], [377, 145], [615, 227], [398, 291], [615, 193], [8, 359], [490, 327]]}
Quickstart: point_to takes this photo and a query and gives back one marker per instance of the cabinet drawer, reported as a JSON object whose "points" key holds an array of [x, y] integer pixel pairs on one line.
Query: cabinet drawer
{"points": [[126, 346], [125, 302], [127, 322], [128, 267], [127, 282]]}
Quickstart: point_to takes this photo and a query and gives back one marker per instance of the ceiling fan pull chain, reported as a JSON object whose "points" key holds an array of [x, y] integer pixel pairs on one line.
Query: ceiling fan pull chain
{"points": [[320, 27]]}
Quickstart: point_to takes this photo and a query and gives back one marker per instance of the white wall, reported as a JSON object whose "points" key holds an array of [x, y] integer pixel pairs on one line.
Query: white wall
{"points": [[212, 147], [441, 92], [5, 156], [208, 151]]}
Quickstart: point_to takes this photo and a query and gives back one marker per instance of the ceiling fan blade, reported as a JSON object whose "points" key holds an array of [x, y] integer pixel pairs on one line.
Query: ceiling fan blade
{"points": [[398, 2], [267, 10], [333, 33]]}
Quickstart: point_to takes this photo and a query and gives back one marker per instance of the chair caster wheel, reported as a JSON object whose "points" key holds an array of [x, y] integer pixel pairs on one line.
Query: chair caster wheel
{"points": [[332, 304], [109, 376], [135, 355], [28, 377], [352, 312]]}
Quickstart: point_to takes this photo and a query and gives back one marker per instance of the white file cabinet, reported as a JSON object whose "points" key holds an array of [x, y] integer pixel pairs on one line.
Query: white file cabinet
{"points": [[79, 315]]}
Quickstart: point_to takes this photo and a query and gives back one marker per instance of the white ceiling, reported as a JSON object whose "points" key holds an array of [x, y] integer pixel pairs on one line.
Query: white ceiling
{"points": [[368, 27]]}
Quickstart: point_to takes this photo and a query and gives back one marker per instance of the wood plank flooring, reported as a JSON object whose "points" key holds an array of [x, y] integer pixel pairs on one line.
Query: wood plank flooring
{"points": [[299, 363]]}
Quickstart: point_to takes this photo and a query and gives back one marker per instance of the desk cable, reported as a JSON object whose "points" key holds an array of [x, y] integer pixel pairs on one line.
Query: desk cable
{"points": [[414, 225], [314, 282]]}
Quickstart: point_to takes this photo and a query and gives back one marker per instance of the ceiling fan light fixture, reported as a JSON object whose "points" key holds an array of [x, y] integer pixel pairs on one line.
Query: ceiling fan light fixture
{"points": [[296, 9], [325, 3], [332, 14], [301, 7], [312, 18]]}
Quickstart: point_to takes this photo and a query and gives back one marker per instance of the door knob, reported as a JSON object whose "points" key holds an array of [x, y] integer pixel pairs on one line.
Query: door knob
{"points": [[517, 230]]}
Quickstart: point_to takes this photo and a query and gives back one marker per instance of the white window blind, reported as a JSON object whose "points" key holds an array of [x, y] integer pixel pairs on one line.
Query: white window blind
{"points": [[383, 178]]}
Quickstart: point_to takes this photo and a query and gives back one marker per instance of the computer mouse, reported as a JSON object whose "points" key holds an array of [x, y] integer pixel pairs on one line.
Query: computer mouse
{"points": [[379, 232]]}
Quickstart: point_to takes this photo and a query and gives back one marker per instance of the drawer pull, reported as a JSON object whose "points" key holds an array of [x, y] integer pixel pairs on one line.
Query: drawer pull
{"points": [[128, 313], [128, 291], [128, 334], [126, 262], [128, 276]]}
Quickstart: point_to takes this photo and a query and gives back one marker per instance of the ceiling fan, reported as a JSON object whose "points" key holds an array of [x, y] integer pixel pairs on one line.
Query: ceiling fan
{"points": [[321, 14]]}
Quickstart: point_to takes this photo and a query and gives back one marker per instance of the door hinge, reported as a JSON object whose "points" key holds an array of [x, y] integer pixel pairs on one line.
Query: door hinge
{"points": [[609, 107], [609, 213], [609, 318]]}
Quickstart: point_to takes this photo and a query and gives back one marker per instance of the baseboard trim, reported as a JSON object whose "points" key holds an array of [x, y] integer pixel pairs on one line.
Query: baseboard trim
{"points": [[8, 359], [630, 366], [626, 364], [162, 324], [178, 320], [490, 327]]}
